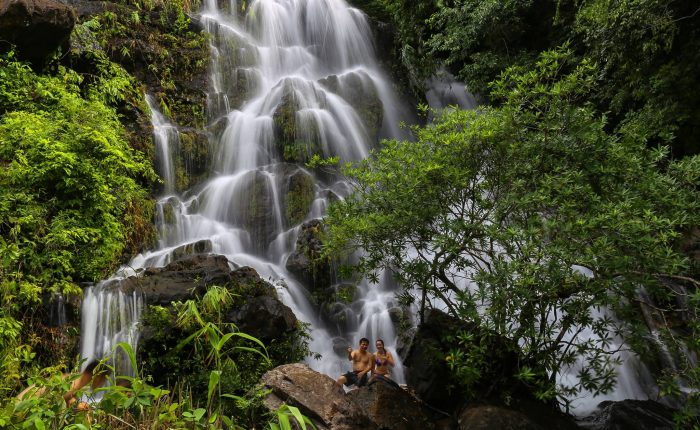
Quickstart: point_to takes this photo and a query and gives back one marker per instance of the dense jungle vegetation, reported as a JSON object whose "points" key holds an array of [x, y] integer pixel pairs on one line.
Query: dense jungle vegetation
{"points": [[573, 187]]}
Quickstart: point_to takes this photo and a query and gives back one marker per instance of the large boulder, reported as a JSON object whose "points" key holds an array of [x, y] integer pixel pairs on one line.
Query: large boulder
{"points": [[315, 396], [377, 406], [391, 408], [265, 317], [191, 275], [498, 359], [180, 280], [630, 415], [426, 368], [262, 314], [306, 262], [36, 27]]}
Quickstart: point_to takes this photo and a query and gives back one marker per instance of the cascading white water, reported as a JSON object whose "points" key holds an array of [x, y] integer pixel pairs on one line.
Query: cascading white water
{"points": [[109, 317], [288, 77]]}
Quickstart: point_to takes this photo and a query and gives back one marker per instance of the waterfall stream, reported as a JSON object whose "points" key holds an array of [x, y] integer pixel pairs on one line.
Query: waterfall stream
{"points": [[289, 78]]}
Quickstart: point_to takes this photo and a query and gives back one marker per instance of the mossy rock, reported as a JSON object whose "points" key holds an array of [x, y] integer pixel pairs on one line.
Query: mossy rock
{"points": [[297, 139], [359, 91], [299, 194], [192, 159], [258, 215]]}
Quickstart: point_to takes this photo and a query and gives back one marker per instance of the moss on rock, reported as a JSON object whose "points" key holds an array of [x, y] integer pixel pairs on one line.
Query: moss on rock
{"points": [[298, 197]]}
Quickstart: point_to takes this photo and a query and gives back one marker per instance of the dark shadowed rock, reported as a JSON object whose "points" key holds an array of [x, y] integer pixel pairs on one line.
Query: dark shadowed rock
{"points": [[264, 317], [305, 262], [36, 27], [486, 417], [426, 369], [630, 415], [391, 407], [525, 415]]}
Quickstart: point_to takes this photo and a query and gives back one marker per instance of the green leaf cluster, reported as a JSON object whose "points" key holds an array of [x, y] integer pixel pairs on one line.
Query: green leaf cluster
{"points": [[647, 50], [71, 193]]}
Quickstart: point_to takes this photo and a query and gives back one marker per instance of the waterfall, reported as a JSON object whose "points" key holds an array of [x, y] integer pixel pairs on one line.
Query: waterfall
{"points": [[109, 316], [289, 79]]}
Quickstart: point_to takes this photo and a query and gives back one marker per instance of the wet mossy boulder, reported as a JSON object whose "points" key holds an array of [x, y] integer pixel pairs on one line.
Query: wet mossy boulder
{"points": [[240, 77], [298, 196], [306, 262], [256, 212], [192, 159], [296, 132], [357, 88]]}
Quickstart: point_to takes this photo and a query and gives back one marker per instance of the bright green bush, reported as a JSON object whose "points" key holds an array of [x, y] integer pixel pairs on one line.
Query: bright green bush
{"points": [[69, 189]]}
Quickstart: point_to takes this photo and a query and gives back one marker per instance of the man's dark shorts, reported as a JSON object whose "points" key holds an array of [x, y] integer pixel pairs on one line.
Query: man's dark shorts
{"points": [[352, 379]]}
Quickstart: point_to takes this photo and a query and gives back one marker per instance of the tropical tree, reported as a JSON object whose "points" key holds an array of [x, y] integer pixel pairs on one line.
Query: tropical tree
{"points": [[530, 220]]}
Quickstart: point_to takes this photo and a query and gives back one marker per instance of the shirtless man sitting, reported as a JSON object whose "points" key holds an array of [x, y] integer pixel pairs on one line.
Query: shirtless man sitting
{"points": [[362, 364]]}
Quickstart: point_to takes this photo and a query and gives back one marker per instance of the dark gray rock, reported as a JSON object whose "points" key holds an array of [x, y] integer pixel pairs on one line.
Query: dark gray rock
{"points": [[36, 27], [487, 417], [264, 317], [426, 369], [391, 407], [630, 415], [190, 276], [305, 262], [180, 280], [377, 406]]}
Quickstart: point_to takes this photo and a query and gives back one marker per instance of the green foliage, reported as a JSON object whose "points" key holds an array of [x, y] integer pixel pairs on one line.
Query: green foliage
{"points": [[70, 198], [193, 347], [283, 419], [67, 177], [524, 218], [647, 50]]}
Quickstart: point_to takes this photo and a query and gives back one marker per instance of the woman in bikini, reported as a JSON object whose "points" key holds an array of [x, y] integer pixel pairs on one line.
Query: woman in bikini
{"points": [[383, 361]]}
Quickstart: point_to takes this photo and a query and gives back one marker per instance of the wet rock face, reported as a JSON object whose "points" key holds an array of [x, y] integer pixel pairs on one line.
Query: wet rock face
{"points": [[630, 415], [265, 316], [36, 27], [298, 196], [358, 90], [191, 275], [378, 406], [296, 133], [304, 262], [192, 159]]}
